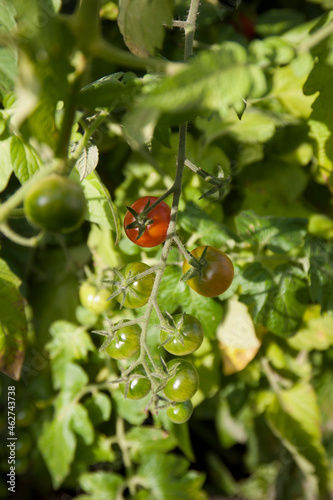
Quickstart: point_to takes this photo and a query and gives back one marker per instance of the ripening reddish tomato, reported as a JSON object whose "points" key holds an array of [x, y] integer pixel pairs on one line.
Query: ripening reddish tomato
{"points": [[216, 277], [156, 232]]}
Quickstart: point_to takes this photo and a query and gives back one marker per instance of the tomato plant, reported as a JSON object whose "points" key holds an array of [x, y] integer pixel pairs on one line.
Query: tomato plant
{"points": [[156, 230], [184, 383], [216, 275], [186, 337], [55, 203], [138, 386], [126, 342], [180, 413], [138, 292], [221, 110]]}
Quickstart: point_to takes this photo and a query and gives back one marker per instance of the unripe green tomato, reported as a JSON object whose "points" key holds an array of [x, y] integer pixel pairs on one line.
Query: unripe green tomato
{"points": [[184, 384], [192, 335], [56, 203], [95, 299], [126, 342], [142, 287], [138, 388], [180, 412]]}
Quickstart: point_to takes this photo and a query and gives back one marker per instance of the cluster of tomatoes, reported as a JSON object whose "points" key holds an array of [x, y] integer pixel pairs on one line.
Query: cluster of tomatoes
{"points": [[57, 203]]}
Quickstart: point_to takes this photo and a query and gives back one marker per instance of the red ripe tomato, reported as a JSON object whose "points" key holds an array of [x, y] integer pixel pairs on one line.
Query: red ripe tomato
{"points": [[156, 232], [216, 277]]}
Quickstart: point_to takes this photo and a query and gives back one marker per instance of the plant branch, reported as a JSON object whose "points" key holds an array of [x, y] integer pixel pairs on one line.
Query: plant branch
{"points": [[176, 190], [314, 39], [69, 111], [104, 50], [21, 240]]}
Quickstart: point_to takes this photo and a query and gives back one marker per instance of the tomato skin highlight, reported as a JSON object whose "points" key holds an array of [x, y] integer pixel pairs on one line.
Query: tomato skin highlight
{"points": [[142, 287], [216, 277], [138, 388], [155, 233], [184, 384], [125, 343], [56, 203], [181, 412], [192, 335], [94, 299]]}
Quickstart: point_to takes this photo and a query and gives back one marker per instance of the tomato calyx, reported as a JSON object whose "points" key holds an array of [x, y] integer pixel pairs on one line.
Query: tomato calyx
{"points": [[197, 266], [141, 220], [123, 286], [220, 185], [173, 329]]}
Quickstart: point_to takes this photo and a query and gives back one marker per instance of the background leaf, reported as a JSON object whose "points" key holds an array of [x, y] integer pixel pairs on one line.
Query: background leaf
{"points": [[140, 35]]}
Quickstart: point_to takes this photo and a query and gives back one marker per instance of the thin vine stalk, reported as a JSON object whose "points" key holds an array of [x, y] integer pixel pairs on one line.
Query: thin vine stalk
{"points": [[189, 28]]}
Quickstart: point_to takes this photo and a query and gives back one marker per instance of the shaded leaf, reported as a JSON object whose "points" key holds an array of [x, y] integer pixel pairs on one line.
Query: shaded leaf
{"points": [[146, 440], [6, 168], [24, 159], [294, 417], [166, 477], [13, 323], [142, 36], [100, 485], [100, 208]]}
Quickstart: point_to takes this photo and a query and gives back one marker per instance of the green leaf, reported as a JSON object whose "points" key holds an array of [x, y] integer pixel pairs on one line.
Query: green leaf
{"points": [[99, 407], [57, 442], [100, 485], [166, 477], [273, 51], [320, 255], [288, 82], [320, 86], [130, 410], [69, 341], [279, 234], [7, 16], [315, 332], [81, 424], [146, 440], [6, 168], [194, 220], [8, 69], [287, 301], [172, 291], [208, 311], [256, 284], [13, 323], [142, 36], [101, 209], [277, 301], [57, 445], [69, 377], [24, 159], [255, 126], [277, 21], [294, 418], [212, 81], [109, 92]]}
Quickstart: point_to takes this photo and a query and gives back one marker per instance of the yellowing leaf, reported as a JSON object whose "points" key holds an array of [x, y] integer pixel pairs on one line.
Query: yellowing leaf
{"points": [[288, 89], [237, 336]]}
